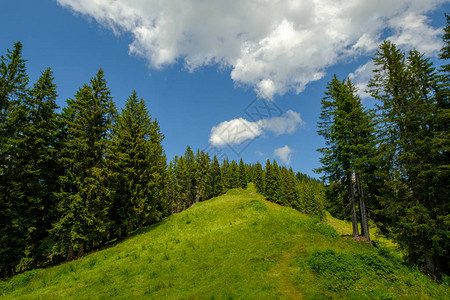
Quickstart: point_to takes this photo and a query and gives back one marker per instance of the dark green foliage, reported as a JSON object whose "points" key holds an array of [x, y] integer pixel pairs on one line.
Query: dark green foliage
{"points": [[413, 155], [13, 94], [347, 157], [343, 271], [202, 162], [38, 168], [182, 188], [137, 165], [83, 202], [174, 185], [259, 178], [225, 171], [214, 183], [289, 192], [272, 182], [60, 176], [233, 175], [242, 175], [189, 183], [335, 202]]}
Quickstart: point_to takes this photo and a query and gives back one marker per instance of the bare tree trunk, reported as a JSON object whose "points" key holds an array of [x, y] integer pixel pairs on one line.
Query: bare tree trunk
{"points": [[430, 264], [362, 209], [352, 206], [81, 250], [70, 252]]}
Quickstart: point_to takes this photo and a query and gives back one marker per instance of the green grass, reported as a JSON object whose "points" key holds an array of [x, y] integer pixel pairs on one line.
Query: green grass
{"points": [[344, 228], [237, 246]]}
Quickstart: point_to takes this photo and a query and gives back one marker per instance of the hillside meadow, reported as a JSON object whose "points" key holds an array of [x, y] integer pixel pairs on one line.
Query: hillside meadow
{"points": [[236, 246]]}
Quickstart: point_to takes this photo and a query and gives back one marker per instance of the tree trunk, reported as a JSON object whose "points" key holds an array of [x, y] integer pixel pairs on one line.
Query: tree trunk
{"points": [[362, 209], [352, 206], [70, 252], [430, 264], [81, 251]]}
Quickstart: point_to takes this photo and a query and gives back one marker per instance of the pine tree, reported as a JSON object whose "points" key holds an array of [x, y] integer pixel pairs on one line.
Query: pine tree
{"points": [[259, 178], [38, 168], [190, 185], [184, 184], [13, 92], [173, 187], [233, 175], [242, 175], [214, 184], [226, 178], [272, 182], [201, 175], [348, 134], [415, 195], [83, 202], [289, 194], [132, 161], [158, 173]]}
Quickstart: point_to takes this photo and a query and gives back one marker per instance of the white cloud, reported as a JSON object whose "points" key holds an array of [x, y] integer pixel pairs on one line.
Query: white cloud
{"points": [[234, 132], [260, 153], [239, 130], [284, 153], [413, 32], [288, 123], [361, 78], [273, 46]]}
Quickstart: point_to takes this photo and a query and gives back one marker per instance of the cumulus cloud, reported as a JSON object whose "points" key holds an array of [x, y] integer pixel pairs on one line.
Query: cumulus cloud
{"points": [[284, 153], [287, 123], [273, 46], [361, 78], [235, 132], [239, 130]]}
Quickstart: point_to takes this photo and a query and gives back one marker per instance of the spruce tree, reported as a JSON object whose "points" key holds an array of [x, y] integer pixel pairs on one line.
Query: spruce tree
{"points": [[214, 184], [233, 175], [173, 187], [83, 202], [289, 194], [272, 182], [38, 168], [158, 173], [414, 193], [190, 184], [13, 92], [259, 178], [349, 141], [226, 178], [131, 163], [201, 175], [242, 175]]}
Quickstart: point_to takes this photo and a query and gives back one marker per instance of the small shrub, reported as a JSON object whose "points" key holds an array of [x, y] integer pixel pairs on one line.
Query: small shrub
{"points": [[342, 271], [380, 265], [92, 263], [337, 268]]}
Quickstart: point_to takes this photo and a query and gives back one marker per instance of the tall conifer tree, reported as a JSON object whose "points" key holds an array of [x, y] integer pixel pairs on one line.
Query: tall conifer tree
{"points": [[13, 92], [83, 202], [348, 134], [132, 161], [409, 113]]}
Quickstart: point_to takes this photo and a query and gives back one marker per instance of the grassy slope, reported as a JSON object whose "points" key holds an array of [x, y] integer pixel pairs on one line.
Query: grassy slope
{"points": [[236, 246]]}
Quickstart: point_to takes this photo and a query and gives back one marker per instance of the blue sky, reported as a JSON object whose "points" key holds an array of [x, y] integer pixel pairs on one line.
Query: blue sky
{"points": [[203, 67]]}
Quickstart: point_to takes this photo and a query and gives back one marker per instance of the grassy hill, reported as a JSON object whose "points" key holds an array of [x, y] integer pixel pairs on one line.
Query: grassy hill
{"points": [[236, 246]]}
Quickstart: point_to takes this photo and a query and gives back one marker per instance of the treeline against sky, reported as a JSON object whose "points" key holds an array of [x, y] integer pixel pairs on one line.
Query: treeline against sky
{"points": [[392, 164], [76, 179]]}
